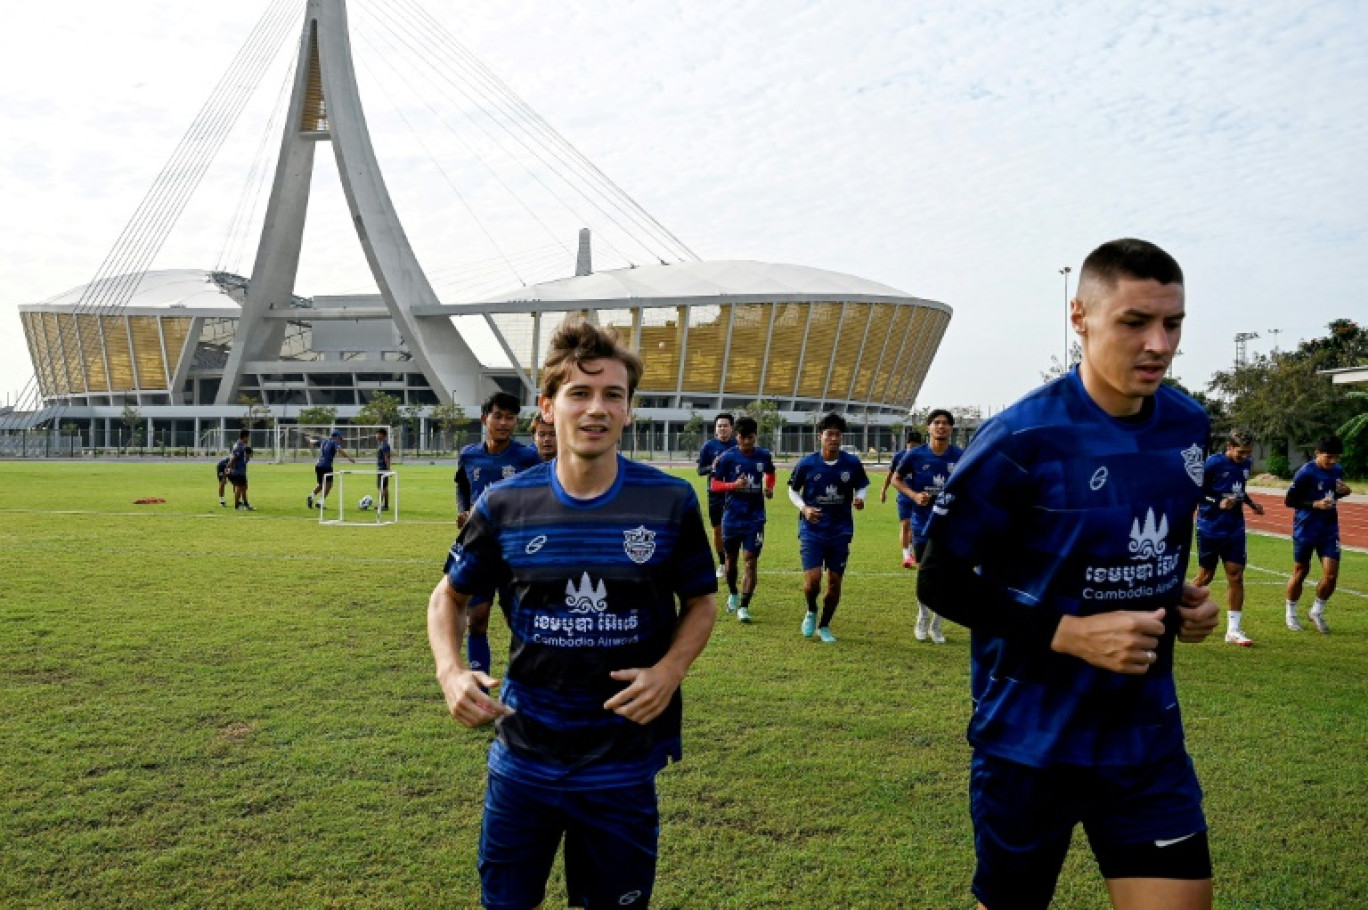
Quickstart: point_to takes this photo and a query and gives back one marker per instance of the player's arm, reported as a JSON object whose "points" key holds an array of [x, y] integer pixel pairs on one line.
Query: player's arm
{"points": [[900, 484], [461, 686], [652, 687], [771, 476], [858, 500], [705, 464], [462, 488]]}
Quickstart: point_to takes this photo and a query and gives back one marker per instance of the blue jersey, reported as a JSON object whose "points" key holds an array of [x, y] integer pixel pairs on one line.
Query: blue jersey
{"points": [[893, 467], [926, 472], [382, 456], [237, 461], [1222, 479], [1310, 483], [327, 451], [830, 487], [1064, 508], [745, 510], [711, 450], [594, 585], [476, 468]]}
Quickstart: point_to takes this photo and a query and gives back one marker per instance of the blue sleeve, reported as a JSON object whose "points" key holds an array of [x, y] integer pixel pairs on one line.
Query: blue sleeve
{"points": [[976, 509], [475, 564], [462, 485], [705, 459], [799, 477]]}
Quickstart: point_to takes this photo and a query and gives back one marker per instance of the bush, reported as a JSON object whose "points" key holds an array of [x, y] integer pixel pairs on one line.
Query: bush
{"points": [[1279, 466]]}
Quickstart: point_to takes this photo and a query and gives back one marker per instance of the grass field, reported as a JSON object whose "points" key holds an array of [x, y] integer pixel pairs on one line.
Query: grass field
{"points": [[205, 708]]}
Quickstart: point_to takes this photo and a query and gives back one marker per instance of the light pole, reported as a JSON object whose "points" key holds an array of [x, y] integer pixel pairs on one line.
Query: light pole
{"points": [[1065, 362]]}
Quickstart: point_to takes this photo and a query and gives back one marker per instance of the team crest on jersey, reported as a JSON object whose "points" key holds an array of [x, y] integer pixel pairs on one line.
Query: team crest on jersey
{"points": [[1193, 461], [509, 471], [586, 597], [1148, 540], [845, 477], [639, 544], [475, 475]]}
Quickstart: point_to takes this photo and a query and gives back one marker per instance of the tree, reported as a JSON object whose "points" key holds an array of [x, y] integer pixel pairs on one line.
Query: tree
{"points": [[766, 414], [1283, 398], [133, 423], [381, 410], [449, 418], [318, 415], [692, 433], [256, 411], [1354, 433], [1056, 370]]}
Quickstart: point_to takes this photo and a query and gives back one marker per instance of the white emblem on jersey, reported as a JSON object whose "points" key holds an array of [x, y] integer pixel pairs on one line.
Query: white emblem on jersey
{"points": [[536, 543], [1193, 461], [845, 477], [1099, 479], [631, 897], [937, 483], [586, 598], [1237, 490], [475, 475], [1147, 541], [509, 471], [639, 544]]}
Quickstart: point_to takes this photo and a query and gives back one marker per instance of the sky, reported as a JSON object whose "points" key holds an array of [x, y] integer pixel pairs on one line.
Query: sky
{"points": [[963, 153]]}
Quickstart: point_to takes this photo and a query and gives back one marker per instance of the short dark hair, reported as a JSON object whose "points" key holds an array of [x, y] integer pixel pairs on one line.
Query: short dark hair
{"points": [[940, 412], [504, 401], [1240, 438], [382, 432], [1330, 445], [914, 437], [244, 434], [725, 415], [746, 426], [1127, 258], [577, 342], [832, 421]]}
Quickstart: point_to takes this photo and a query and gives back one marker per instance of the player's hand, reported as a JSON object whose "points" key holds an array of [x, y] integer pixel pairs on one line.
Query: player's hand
{"points": [[743, 482], [1199, 612], [769, 493], [857, 503], [1228, 503], [883, 496], [648, 694], [1342, 489], [1123, 641], [466, 699], [1257, 509], [462, 518], [1323, 504], [811, 514]]}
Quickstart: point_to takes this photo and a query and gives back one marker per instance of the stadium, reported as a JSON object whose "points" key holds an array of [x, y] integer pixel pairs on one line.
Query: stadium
{"points": [[188, 349]]}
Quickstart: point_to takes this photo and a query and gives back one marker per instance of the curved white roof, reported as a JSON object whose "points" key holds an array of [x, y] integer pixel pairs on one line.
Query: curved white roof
{"points": [[727, 278], [166, 289]]}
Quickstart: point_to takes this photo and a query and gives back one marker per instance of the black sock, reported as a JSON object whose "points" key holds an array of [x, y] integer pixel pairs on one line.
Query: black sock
{"points": [[812, 603], [745, 599]]}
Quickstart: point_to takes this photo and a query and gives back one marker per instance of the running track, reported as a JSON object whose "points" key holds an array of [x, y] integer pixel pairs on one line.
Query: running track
{"points": [[1277, 518]]}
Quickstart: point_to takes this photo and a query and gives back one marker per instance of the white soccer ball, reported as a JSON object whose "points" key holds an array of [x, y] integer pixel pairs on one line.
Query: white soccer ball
{"points": [[367, 502]]}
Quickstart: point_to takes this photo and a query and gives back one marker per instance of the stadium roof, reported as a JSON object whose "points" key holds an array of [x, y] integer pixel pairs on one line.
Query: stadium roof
{"points": [[688, 281]]}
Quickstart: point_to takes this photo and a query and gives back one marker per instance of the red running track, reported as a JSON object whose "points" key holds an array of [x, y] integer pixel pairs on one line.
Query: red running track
{"points": [[1277, 518]]}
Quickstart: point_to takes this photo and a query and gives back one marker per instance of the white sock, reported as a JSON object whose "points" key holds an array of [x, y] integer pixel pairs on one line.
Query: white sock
{"points": [[1318, 607], [1292, 608], [1233, 618]]}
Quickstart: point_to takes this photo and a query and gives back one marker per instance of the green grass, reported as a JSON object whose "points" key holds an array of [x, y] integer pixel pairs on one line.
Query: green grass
{"points": [[210, 709]]}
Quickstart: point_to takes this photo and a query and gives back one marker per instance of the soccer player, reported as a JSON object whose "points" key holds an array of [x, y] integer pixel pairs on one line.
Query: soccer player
{"points": [[745, 474], [712, 450], [921, 477], [497, 457], [543, 437], [236, 471], [221, 471], [597, 549], [1221, 526], [825, 486], [384, 460], [328, 450], [904, 504], [1061, 541], [1316, 488]]}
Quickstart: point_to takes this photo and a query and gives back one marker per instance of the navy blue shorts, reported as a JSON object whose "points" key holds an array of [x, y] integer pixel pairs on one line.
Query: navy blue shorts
{"points": [[752, 540], [1212, 550], [610, 844], [905, 507], [320, 472], [1327, 546], [221, 469], [717, 504], [830, 554], [1024, 818]]}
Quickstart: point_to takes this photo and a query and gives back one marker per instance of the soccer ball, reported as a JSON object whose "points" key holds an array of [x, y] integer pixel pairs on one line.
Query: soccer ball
{"points": [[367, 502]]}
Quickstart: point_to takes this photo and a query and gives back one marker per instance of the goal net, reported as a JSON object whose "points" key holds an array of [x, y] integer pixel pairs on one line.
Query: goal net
{"points": [[299, 442], [353, 489]]}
